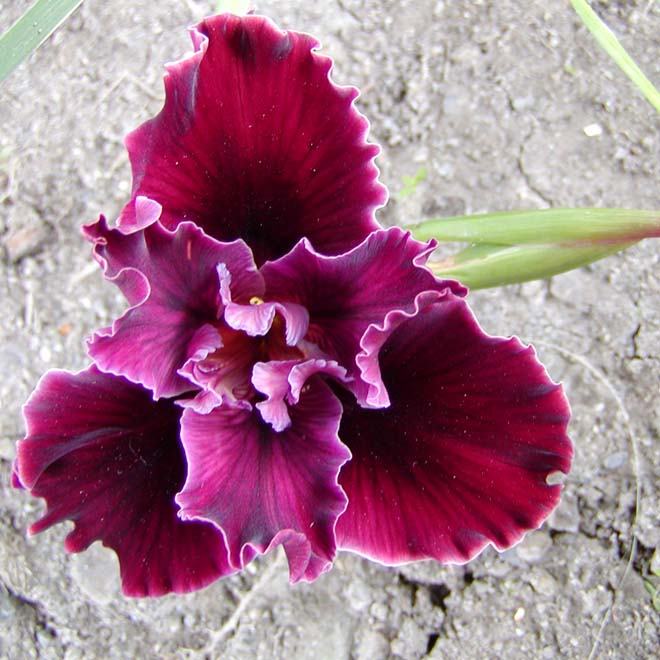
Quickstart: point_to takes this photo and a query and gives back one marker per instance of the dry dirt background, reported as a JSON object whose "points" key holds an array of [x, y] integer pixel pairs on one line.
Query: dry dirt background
{"points": [[492, 98]]}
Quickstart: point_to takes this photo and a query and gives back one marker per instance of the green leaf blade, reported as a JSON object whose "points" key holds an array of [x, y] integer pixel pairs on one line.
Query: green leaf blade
{"points": [[568, 227], [485, 266], [611, 45], [31, 30]]}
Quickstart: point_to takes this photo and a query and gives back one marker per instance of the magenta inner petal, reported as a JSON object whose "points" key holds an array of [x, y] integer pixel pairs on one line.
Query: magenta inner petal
{"points": [[345, 294], [283, 381], [263, 488], [257, 319], [145, 212], [171, 281], [460, 458], [224, 372], [107, 457], [271, 379], [255, 142]]}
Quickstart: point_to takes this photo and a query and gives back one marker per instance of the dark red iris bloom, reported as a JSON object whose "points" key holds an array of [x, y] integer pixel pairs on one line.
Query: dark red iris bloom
{"points": [[287, 373]]}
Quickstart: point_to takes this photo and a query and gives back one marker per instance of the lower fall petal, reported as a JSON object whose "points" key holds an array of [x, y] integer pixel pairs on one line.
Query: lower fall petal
{"points": [[107, 457], [461, 457], [263, 488]]}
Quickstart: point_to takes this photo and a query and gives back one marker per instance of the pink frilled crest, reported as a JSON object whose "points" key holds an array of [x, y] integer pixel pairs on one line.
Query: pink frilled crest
{"points": [[286, 372]]}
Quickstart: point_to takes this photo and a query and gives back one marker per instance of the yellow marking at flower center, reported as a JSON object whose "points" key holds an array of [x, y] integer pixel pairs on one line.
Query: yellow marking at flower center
{"points": [[255, 300]]}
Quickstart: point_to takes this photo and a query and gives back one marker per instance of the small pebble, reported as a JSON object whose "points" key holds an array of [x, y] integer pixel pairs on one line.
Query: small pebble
{"points": [[27, 233], [358, 595], [543, 583], [379, 611], [566, 517], [534, 546], [620, 153], [615, 460], [593, 130], [96, 572], [521, 103], [372, 645]]}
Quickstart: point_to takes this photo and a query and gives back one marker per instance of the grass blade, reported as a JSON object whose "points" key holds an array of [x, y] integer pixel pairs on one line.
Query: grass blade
{"points": [[611, 45], [31, 30]]}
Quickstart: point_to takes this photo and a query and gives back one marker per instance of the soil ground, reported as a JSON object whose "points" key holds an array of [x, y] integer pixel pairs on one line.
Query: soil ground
{"points": [[492, 98]]}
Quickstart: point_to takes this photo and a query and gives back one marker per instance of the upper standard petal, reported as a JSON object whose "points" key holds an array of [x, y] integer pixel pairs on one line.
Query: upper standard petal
{"points": [[255, 142]]}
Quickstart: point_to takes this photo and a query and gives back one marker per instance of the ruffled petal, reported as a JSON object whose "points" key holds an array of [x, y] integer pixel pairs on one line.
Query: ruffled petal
{"points": [[282, 382], [171, 279], [257, 319], [250, 333], [264, 488], [107, 457], [461, 457], [347, 293], [255, 142], [145, 212]]}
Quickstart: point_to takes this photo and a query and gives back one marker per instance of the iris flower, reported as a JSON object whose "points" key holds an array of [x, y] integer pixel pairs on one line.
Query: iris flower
{"points": [[287, 372]]}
